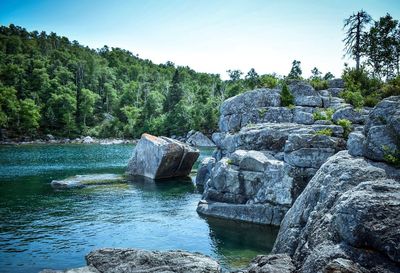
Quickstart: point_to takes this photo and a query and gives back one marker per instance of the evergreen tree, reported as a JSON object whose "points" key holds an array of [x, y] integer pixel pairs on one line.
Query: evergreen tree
{"points": [[295, 71], [287, 98], [355, 25]]}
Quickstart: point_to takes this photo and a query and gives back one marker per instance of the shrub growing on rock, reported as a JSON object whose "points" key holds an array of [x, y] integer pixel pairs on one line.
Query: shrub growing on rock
{"points": [[287, 97], [346, 124], [326, 132]]}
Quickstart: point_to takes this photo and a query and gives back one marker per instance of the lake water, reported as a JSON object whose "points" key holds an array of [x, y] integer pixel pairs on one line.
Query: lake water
{"points": [[45, 228]]}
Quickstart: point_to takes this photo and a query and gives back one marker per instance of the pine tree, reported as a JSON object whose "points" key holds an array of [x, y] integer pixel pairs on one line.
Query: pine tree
{"points": [[354, 34]]}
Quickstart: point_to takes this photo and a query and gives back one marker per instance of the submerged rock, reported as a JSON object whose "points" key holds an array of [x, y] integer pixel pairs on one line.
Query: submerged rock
{"points": [[161, 157], [79, 181], [112, 260], [199, 139]]}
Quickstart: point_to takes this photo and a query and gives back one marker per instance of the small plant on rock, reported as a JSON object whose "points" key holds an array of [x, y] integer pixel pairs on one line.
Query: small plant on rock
{"points": [[346, 124], [391, 157], [326, 132], [287, 97]]}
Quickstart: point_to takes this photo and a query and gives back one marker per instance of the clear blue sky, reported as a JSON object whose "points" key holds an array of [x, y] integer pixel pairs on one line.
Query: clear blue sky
{"points": [[207, 35]]}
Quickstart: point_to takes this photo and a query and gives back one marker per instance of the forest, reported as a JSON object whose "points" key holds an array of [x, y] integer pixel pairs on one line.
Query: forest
{"points": [[51, 85]]}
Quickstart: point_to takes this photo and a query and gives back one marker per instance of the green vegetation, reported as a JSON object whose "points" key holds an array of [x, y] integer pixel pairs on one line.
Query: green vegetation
{"points": [[391, 157], [287, 97], [326, 132], [323, 115], [346, 124], [376, 51], [49, 84]]}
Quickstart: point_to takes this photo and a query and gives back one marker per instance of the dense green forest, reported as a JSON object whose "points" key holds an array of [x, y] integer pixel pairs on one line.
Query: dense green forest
{"points": [[49, 84]]}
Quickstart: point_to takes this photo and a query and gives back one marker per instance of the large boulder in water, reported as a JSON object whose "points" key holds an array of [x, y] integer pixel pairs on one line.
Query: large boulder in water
{"points": [[161, 157], [114, 260]]}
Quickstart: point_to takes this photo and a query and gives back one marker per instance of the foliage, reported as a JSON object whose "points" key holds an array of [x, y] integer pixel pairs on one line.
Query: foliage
{"points": [[49, 84], [323, 115], [269, 81], [391, 157], [287, 97], [346, 124], [355, 25], [326, 132], [295, 71]]}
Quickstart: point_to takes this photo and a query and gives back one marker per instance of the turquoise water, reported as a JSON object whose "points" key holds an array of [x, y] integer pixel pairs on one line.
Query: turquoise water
{"points": [[45, 228]]}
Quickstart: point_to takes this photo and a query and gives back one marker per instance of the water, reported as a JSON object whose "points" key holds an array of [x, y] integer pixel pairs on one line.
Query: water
{"points": [[45, 228]]}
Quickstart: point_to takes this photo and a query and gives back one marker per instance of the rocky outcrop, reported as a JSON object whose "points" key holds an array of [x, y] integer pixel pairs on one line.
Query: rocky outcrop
{"points": [[278, 263], [198, 139], [204, 171], [161, 157], [266, 154], [346, 218], [111, 260], [380, 138], [80, 181]]}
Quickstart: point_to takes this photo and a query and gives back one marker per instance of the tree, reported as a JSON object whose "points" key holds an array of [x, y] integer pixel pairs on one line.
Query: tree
{"points": [[328, 76], [355, 25], [29, 116], [175, 93], [287, 97], [295, 71], [88, 100], [315, 74], [234, 75], [382, 47], [252, 79]]}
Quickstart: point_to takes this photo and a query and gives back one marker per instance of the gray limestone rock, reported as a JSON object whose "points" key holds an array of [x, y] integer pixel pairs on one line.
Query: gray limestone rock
{"points": [[161, 157]]}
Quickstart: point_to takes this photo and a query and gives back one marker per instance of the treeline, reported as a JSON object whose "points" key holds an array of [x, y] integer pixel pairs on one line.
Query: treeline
{"points": [[375, 47], [49, 84]]}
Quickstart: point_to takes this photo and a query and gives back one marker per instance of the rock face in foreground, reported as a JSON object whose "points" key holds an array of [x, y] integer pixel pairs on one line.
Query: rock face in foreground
{"points": [[161, 157], [110, 260], [346, 219]]}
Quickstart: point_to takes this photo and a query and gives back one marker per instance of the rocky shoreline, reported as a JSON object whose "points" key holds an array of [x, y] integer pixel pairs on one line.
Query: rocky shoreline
{"points": [[324, 172], [49, 139]]}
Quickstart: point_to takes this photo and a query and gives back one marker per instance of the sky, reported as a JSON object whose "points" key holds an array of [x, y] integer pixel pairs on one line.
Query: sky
{"points": [[207, 35]]}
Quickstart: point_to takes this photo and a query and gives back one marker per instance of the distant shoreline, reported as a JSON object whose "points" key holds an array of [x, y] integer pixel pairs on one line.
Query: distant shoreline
{"points": [[84, 140]]}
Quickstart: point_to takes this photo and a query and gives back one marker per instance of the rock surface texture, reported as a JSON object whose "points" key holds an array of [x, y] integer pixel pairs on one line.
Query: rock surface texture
{"points": [[198, 139], [161, 157], [266, 154], [346, 219], [111, 260]]}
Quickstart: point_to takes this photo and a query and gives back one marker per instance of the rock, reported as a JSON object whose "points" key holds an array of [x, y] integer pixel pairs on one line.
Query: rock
{"points": [[278, 263], [336, 83], [85, 269], [204, 170], [199, 139], [271, 114], [355, 143], [49, 137], [348, 113], [161, 157], [346, 217], [382, 130], [79, 181], [87, 140], [311, 150], [252, 186], [304, 94], [302, 117], [243, 109], [113, 260], [335, 92]]}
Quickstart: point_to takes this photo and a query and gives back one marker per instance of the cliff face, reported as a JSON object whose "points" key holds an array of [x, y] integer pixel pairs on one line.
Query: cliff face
{"points": [[267, 153], [347, 218]]}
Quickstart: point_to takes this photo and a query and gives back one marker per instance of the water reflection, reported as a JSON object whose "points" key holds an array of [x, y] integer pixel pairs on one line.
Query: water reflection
{"points": [[238, 242]]}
